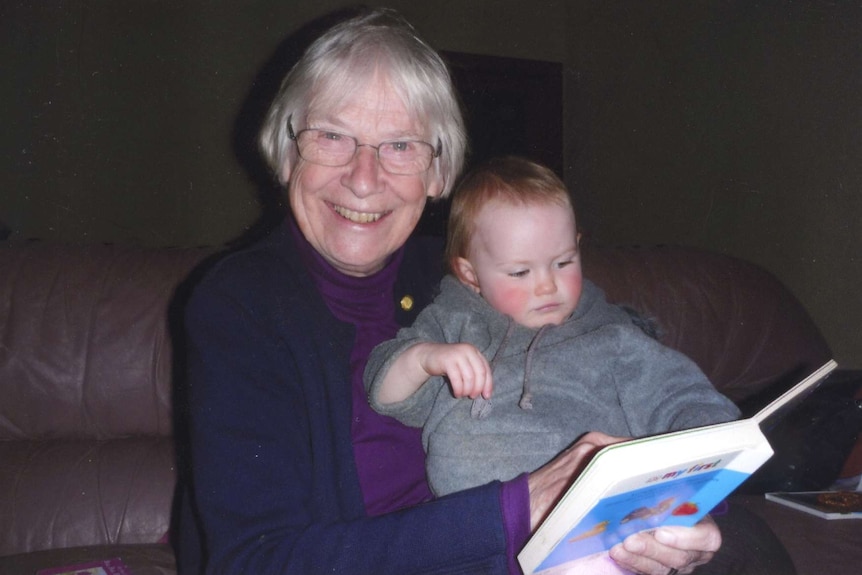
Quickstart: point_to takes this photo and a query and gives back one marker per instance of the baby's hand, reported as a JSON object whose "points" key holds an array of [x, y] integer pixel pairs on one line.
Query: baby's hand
{"points": [[466, 368]]}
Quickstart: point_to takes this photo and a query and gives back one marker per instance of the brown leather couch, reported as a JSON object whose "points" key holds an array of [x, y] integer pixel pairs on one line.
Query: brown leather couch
{"points": [[90, 349]]}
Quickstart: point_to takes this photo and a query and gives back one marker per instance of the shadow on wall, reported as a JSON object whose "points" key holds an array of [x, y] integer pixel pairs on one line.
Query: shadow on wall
{"points": [[252, 115]]}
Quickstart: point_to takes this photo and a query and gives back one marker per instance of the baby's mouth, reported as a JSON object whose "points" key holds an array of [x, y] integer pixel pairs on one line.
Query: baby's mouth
{"points": [[358, 217]]}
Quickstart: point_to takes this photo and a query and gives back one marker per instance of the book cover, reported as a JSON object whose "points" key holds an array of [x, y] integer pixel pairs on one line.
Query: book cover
{"points": [[113, 566], [670, 479], [825, 504]]}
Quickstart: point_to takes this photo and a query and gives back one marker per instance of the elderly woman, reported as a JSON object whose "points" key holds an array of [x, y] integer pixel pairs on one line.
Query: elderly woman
{"points": [[292, 471]]}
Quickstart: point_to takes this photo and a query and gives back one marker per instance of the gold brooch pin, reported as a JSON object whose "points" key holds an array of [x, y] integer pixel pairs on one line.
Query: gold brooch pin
{"points": [[407, 303]]}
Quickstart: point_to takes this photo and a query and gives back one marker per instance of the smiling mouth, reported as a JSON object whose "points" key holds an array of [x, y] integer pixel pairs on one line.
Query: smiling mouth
{"points": [[358, 217]]}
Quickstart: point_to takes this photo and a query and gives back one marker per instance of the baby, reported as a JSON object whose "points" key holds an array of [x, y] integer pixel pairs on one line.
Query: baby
{"points": [[516, 320]]}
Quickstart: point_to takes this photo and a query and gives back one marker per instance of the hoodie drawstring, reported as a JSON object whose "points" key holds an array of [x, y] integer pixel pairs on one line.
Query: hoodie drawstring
{"points": [[481, 407], [526, 401]]}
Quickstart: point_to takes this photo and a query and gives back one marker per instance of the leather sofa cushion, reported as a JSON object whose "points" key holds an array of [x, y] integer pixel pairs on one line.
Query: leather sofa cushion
{"points": [[73, 493], [142, 559]]}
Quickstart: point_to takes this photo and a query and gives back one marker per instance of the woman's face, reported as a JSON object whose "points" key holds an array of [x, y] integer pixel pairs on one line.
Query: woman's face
{"points": [[357, 215]]}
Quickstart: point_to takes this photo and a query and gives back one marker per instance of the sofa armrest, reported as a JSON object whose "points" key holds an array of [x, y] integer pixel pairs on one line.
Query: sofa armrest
{"points": [[744, 329]]}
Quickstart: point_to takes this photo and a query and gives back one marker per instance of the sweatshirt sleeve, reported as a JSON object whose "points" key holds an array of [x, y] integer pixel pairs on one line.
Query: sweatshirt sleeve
{"points": [[662, 390], [414, 410], [274, 492]]}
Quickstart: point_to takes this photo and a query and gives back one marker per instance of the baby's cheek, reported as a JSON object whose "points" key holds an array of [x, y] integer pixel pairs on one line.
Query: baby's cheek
{"points": [[510, 300]]}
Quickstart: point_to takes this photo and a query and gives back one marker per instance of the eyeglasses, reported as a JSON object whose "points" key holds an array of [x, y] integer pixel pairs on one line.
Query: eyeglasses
{"points": [[328, 148]]}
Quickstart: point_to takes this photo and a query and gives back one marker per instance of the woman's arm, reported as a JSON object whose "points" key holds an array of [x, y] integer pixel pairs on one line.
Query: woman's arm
{"points": [[274, 478]]}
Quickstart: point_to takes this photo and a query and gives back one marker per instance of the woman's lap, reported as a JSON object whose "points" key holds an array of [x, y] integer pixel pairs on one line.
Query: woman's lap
{"points": [[749, 547]]}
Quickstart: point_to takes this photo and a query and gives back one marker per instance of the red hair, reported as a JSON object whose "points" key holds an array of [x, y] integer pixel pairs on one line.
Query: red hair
{"points": [[512, 180]]}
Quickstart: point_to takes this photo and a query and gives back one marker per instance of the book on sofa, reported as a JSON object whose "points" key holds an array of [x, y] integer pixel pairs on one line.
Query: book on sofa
{"points": [[825, 504], [670, 479], [114, 566]]}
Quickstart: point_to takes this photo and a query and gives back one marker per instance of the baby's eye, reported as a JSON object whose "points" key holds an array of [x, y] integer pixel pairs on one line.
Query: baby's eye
{"points": [[564, 263], [519, 273]]}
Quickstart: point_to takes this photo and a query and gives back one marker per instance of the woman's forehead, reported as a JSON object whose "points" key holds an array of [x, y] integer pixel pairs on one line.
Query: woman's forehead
{"points": [[375, 94]]}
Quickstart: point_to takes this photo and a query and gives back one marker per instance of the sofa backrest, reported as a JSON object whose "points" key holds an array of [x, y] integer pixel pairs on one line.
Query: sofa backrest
{"points": [[85, 345], [86, 452], [745, 329]]}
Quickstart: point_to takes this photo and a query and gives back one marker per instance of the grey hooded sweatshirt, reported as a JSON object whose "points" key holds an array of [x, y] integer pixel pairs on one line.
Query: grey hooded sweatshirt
{"points": [[596, 371]]}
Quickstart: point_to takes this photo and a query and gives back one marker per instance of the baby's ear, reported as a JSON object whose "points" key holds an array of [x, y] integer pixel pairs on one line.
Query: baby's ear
{"points": [[465, 272]]}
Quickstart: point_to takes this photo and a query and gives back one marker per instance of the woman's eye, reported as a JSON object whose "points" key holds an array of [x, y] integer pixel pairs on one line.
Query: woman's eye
{"points": [[334, 136], [400, 146]]}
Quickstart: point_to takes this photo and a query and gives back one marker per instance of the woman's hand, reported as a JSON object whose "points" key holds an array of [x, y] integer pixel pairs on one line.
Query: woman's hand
{"points": [[654, 553], [667, 548], [548, 483]]}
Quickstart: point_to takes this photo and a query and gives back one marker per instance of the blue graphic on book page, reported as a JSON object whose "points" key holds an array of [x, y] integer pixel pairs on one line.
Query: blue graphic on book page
{"points": [[683, 501]]}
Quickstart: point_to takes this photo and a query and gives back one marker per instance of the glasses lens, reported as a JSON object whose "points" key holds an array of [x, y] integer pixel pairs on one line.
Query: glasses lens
{"points": [[326, 148], [406, 157], [403, 157]]}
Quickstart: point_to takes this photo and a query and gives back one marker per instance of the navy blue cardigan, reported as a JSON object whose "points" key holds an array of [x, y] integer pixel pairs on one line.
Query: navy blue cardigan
{"points": [[275, 484]]}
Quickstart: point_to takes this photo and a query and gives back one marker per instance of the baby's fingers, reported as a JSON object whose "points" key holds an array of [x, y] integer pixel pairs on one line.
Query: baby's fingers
{"points": [[480, 374], [485, 379], [462, 383]]}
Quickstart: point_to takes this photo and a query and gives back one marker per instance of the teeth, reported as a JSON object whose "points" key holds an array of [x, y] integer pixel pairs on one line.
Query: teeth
{"points": [[358, 217]]}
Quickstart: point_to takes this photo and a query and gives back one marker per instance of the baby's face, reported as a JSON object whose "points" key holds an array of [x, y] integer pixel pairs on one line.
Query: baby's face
{"points": [[524, 261]]}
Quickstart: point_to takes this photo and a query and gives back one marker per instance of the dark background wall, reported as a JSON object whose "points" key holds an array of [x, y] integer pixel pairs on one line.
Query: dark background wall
{"points": [[733, 125]]}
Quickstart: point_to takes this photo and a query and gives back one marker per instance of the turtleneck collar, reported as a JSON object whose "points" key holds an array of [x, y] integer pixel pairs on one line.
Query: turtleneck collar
{"points": [[353, 299]]}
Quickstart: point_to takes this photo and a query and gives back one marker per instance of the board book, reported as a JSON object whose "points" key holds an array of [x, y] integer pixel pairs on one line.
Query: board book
{"points": [[670, 479], [825, 504], [113, 566]]}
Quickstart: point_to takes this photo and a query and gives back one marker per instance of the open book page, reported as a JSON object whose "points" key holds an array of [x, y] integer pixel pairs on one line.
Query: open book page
{"points": [[672, 479], [681, 500], [793, 396]]}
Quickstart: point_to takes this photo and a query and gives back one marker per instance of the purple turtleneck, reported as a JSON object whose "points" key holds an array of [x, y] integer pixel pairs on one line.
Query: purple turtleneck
{"points": [[389, 456]]}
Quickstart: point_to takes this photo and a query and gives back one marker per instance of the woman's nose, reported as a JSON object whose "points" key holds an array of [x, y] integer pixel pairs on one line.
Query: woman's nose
{"points": [[363, 177]]}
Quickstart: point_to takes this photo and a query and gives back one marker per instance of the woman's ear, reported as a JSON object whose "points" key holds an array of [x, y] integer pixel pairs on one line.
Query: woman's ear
{"points": [[284, 175], [434, 189], [291, 159], [465, 272]]}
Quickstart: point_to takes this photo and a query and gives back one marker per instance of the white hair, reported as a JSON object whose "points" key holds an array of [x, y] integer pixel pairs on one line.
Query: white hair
{"points": [[353, 52]]}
